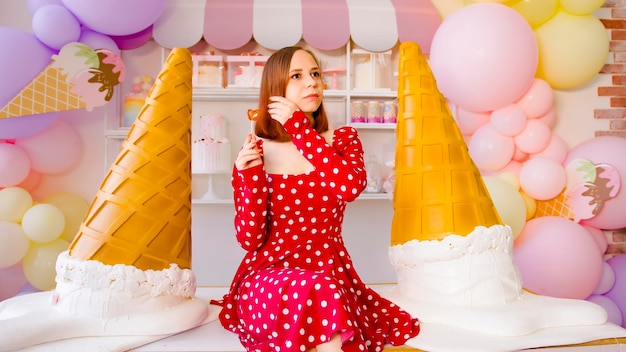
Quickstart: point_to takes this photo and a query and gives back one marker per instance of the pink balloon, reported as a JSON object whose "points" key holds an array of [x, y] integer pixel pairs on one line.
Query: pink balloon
{"points": [[512, 167], [537, 100], [31, 181], [599, 236], [55, 26], [519, 155], [116, 17], [542, 178], [14, 163], [509, 121], [54, 150], [606, 150], [607, 280], [534, 138], [556, 257], [97, 41], [556, 150], [614, 315], [617, 293], [549, 118], [484, 56], [133, 41], [470, 121], [489, 149], [11, 280]]}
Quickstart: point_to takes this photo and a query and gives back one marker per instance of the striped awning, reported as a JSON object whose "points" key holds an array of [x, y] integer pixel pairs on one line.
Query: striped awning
{"points": [[374, 25]]}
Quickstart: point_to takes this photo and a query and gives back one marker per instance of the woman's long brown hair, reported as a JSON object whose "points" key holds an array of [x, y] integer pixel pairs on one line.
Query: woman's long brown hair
{"points": [[274, 83]]}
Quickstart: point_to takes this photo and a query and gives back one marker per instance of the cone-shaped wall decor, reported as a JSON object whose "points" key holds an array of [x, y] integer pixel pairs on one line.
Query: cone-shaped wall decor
{"points": [[141, 215], [438, 189]]}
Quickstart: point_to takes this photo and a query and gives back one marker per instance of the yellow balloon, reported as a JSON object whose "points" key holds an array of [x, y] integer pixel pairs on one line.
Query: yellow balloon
{"points": [[39, 263], [13, 244], [536, 12], [446, 7], [43, 222], [572, 50], [531, 205], [508, 202], [510, 178], [14, 202], [74, 209], [581, 7]]}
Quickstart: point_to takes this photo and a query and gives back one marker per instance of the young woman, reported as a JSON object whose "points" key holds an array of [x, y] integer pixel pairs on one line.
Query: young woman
{"points": [[296, 288]]}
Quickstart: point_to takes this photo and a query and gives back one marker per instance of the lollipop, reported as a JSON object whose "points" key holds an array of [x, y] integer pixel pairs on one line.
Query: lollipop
{"points": [[253, 115]]}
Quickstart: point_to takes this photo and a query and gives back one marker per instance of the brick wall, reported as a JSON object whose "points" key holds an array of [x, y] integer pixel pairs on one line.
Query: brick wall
{"points": [[615, 23]]}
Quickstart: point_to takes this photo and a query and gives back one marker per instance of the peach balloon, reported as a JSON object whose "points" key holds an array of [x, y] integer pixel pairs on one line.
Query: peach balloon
{"points": [[542, 178], [534, 138], [13, 243], [14, 163], [470, 121], [509, 121], [489, 149], [537, 100], [556, 150]]}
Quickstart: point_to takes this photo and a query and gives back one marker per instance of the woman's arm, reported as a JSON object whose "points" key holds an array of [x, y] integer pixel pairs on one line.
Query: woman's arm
{"points": [[341, 166], [250, 196]]}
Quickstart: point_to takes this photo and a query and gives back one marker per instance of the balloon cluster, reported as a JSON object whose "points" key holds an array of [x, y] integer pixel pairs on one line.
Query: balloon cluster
{"points": [[32, 236], [497, 63], [110, 25]]}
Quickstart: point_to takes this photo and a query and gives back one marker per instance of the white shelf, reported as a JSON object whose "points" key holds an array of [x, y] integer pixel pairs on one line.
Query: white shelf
{"points": [[363, 196]]}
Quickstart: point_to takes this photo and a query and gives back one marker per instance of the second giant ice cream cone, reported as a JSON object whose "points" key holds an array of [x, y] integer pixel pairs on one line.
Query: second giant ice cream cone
{"points": [[141, 215], [438, 189]]}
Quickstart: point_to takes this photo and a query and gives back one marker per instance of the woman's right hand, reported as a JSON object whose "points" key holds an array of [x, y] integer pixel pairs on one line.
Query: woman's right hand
{"points": [[250, 153]]}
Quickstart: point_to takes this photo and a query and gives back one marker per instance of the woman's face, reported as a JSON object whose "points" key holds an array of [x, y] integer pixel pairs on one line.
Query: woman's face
{"points": [[305, 86]]}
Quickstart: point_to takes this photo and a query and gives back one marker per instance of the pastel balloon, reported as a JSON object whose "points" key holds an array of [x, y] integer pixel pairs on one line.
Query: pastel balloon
{"points": [[520, 155], [542, 178], [40, 261], [133, 41], [489, 149], [12, 279], [470, 121], [34, 5], [98, 41], [556, 150], [537, 100], [617, 293], [599, 236], [24, 126], [531, 205], [116, 17], [509, 120], [556, 257], [468, 60], [55, 26], [14, 202], [508, 203], [53, 150], [74, 209], [31, 181], [43, 222], [13, 243], [614, 315], [581, 7], [534, 138], [536, 12], [14, 164], [607, 279], [605, 150], [561, 62], [549, 118]]}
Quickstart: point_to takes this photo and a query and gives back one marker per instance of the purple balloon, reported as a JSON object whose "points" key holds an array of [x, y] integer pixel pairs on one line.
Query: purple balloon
{"points": [[618, 292], [97, 41], [21, 59], [55, 26], [34, 5], [116, 17], [24, 126], [133, 41]]}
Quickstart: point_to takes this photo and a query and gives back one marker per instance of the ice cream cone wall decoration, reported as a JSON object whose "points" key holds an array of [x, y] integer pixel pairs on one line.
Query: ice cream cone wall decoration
{"points": [[141, 215], [438, 190]]}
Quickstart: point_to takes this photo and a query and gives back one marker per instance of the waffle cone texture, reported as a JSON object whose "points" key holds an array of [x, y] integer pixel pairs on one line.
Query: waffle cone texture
{"points": [[438, 189], [141, 215]]}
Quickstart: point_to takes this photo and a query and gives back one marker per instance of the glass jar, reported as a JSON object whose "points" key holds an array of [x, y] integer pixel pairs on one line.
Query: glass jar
{"points": [[374, 175]]}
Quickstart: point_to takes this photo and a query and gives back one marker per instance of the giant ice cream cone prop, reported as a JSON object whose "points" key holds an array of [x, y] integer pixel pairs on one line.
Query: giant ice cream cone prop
{"points": [[438, 189], [141, 214], [126, 279]]}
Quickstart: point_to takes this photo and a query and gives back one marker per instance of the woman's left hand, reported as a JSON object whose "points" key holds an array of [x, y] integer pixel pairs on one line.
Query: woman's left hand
{"points": [[281, 108]]}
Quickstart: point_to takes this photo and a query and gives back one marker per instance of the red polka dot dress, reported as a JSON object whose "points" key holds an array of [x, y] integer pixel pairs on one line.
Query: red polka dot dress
{"points": [[296, 285]]}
